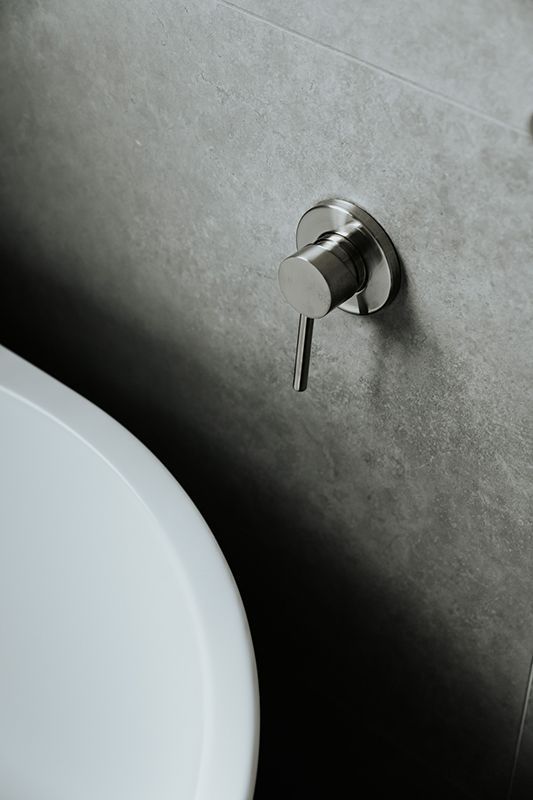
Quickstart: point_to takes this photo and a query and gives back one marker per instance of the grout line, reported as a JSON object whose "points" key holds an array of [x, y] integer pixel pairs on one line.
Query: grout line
{"points": [[520, 734], [376, 68]]}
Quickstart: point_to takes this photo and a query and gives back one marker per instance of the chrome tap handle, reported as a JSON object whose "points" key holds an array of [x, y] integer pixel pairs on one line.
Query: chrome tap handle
{"points": [[303, 353], [345, 259], [315, 280]]}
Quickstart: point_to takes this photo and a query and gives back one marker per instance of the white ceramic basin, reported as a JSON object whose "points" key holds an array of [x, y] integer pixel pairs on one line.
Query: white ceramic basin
{"points": [[126, 666]]}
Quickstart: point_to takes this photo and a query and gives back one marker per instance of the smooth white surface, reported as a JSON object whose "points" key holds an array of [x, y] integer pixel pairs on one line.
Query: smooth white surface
{"points": [[126, 665]]}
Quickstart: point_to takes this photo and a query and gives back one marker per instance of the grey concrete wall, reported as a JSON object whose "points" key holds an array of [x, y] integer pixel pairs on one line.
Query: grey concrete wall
{"points": [[155, 158]]}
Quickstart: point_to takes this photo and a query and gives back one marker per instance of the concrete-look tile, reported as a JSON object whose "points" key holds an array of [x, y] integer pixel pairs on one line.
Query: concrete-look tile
{"points": [[477, 53], [155, 161]]}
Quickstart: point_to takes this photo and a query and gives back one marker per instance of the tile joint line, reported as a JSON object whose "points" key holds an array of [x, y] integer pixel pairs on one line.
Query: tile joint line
{"points": [[520, 734], [376, 68]]}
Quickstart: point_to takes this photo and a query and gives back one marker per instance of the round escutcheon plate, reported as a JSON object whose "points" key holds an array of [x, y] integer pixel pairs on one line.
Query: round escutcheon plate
{"points": [[377, 250]]}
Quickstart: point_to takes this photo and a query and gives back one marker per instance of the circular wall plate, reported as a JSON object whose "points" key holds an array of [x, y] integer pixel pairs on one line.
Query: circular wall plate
{"points": [[377, 250]]}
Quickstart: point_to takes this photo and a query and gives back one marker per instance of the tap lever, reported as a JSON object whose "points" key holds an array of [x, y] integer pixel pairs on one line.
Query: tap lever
{"points": [[344, 260], [303, 352]]}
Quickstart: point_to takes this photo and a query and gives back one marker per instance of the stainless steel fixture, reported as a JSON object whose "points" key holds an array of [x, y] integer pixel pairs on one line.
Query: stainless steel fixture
{"points": [[344, 260]]}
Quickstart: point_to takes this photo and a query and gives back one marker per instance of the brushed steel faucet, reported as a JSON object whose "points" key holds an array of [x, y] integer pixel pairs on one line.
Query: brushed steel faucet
{"points": [[344, 260]]}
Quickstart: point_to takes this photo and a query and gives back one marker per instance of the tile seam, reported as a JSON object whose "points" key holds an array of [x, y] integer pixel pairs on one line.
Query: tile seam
{"points": [[376, 68]]}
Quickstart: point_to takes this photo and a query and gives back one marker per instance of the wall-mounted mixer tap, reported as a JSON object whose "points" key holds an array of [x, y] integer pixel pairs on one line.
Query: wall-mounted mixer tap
{"points": [[344, 260]]}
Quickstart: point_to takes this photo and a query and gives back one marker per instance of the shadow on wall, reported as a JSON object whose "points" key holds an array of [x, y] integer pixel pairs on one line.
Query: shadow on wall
{"points": [[344, 710]]}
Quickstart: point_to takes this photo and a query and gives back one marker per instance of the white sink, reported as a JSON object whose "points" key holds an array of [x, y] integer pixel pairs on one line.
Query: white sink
{"points": [[126, 665]]}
